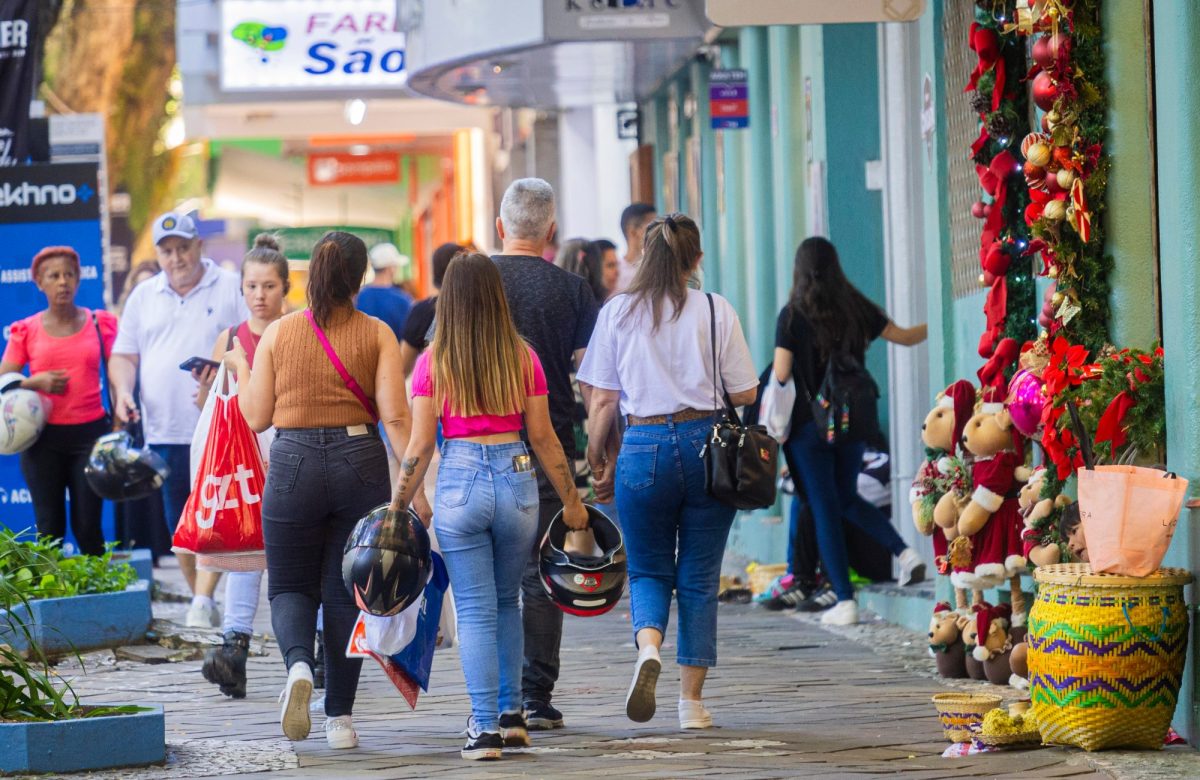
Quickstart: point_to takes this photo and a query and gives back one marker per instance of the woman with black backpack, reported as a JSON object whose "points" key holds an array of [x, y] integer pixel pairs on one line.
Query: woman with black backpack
{"points": [[821, 339]]}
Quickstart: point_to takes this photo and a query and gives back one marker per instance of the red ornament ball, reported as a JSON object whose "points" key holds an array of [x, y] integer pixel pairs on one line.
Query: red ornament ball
{"points": [[987, 210], [1052, 185], [1041, 52], [1058, 45], [1044, 91], [978, 209], [989, 278], [1033, 170]]}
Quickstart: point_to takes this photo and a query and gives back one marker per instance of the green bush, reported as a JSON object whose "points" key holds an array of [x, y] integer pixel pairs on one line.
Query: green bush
{"points": [[38, 569]]}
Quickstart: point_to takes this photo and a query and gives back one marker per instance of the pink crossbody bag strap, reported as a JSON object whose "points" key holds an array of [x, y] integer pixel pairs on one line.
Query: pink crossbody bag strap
{"points": [[351, 385]]}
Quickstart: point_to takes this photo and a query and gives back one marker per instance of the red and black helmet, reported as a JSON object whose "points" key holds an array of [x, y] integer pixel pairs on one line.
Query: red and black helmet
{"points": [[579, 584], [387, 561]]}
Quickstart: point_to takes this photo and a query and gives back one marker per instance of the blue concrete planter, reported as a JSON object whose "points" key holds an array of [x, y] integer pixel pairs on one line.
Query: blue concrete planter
{"points": [[140, 560], [84, 623], [85, 743]]}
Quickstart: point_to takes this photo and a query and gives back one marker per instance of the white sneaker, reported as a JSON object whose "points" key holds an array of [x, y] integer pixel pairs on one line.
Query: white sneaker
{"points": [[340, 733], [203, 616], [318, 704], [293, 715], [844, 613], [639, 702], [912, 568], [693, 715]]}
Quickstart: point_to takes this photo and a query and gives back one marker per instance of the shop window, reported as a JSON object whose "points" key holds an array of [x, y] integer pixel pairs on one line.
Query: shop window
{"points": [[962, 128]]}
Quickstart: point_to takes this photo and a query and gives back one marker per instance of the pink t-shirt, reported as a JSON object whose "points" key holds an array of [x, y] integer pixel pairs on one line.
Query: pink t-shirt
{"points": [[485, 424], [78, 355]]}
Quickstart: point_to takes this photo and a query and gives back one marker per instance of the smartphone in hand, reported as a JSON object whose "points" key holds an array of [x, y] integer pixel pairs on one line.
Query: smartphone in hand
{"points": [[198, 364]]}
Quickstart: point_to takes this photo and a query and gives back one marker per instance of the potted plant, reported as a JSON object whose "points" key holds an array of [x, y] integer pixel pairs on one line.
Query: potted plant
{"points": [[43, 725], [80, 602]]}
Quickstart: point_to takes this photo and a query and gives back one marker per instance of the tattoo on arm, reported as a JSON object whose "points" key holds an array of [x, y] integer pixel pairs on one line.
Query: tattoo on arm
{"points": [[407, 487]]}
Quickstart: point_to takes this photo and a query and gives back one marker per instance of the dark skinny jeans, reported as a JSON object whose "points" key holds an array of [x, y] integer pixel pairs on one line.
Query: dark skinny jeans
{"points": [[320, 482], [830, 476], [53, 468]]}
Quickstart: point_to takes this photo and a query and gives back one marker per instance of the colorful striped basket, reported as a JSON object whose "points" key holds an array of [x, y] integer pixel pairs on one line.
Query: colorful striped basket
{"points": [[960, 711], [1106, 655]]}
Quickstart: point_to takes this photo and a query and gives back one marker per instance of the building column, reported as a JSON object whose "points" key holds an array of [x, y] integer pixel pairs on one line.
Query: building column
{"points": [[1177, 107], [900, 103]]}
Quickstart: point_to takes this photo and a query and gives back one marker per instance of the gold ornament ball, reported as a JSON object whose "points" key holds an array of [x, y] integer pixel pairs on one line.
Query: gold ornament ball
{"points": [[1039, 155], [1054, 116], [1056, 299], [1066, 177], [1053, 272], [982, 281], [1055, 211]]}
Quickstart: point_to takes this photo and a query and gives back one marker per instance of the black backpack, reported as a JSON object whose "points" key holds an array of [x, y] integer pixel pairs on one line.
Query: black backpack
{"points": [[844, 407]]}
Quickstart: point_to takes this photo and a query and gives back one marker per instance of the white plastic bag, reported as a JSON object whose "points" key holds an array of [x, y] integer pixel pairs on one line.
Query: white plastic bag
{"points": [[389, 635], [775, 411], [448, 622]]}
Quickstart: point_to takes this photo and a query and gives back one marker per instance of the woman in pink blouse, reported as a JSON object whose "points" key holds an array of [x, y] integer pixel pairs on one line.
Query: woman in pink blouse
{"points": [[63, 346]]}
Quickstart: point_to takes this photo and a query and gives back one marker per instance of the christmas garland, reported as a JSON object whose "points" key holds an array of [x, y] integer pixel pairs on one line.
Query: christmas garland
{"points": [[1001, 101]]}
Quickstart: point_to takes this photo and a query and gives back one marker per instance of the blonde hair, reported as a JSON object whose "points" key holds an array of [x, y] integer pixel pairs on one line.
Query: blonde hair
{"points": [[481, 365]]}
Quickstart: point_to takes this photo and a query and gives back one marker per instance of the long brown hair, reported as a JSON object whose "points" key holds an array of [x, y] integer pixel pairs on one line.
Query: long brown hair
{"points": [[671, 249], [481, 365], [339, 262], [840, 315]]}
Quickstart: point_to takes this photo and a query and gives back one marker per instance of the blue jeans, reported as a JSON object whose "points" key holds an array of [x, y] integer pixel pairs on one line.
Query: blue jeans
{"points": [[829, 473], [178, 487], [487, 520], [675, 534]]}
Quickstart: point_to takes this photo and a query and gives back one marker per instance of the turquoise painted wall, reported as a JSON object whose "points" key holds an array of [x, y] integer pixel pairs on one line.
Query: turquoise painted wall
{"points": [[852, 124], [1177, 106]]}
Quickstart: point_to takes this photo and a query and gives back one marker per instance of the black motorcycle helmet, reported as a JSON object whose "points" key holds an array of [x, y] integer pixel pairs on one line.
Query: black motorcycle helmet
{"points": [[387, 561], [583, 585], [119, 471]]}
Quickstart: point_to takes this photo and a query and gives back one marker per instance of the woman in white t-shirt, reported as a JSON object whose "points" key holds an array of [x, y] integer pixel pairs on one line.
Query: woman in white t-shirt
{"points": [[651, 355]]}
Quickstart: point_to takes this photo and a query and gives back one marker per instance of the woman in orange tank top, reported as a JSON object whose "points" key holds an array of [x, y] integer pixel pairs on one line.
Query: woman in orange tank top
{"points": [[327, 468]]}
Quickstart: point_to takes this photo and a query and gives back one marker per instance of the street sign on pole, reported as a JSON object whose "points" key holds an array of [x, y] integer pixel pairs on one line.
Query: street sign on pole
{"points": [[729, 99]]}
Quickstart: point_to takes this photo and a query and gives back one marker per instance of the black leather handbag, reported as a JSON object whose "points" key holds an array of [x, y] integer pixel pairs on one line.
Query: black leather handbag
{"points": [[741, 462]]}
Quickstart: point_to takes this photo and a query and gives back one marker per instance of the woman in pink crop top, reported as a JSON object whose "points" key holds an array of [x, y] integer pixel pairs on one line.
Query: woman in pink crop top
{"points": [[63, 346], [481, 379]]}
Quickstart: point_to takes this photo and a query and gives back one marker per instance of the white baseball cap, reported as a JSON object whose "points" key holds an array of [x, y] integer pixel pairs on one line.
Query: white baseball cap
{"points": [[387, 256], [173, 224]]}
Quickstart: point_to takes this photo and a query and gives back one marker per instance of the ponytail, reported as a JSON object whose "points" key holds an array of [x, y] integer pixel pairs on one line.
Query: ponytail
{"points": [[672, 249], [339, 262]]}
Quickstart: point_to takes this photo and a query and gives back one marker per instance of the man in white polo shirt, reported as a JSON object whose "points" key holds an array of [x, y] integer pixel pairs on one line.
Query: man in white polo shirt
{"points": [[176, 315]]}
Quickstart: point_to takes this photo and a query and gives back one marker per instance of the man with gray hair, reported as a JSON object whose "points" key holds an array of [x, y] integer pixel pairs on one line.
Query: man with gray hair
{"points": [[554, 311]]}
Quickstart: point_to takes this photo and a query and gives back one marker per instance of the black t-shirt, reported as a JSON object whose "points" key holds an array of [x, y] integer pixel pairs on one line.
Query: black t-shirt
{"points": [[555, 311], [420, 318], [794, 333]]}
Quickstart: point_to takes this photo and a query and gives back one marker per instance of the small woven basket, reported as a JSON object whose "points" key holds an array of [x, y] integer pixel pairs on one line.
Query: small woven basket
{"points": [[1106, 655], [959, 711], [1030, 737]]}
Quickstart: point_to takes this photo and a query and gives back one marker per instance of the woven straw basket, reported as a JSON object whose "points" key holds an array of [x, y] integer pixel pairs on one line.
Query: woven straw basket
{"points": [[959, 711], [1106, 655]]}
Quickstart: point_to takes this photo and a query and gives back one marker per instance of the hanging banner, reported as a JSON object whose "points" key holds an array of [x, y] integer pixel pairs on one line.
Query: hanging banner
{"points": [[17, 36], [41, 205]]}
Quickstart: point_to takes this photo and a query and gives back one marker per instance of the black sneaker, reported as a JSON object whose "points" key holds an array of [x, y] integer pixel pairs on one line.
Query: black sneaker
{"points": [[482, 745], [513, 730], [789, 598], [821, 599], [540, 716]]}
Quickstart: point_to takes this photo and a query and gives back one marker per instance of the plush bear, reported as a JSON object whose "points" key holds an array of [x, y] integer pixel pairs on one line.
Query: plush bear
{"points": [[968, 626], [991, 519], [945, 642], [993, 645], [942, 477]]}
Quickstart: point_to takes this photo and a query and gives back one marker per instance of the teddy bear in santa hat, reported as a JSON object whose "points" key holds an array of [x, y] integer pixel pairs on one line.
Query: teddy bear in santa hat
{"points": [[943, 473]]}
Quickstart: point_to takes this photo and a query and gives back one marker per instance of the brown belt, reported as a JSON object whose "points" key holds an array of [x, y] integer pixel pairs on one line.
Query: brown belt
{"points": [[682, 416]]}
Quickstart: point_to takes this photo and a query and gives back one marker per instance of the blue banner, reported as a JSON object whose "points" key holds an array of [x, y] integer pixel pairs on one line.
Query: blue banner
{"points": [[43, 205]]}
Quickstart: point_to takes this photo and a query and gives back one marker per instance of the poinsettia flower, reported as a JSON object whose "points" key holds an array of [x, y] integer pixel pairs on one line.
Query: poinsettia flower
{"points": [[1066, 366], [1158, 352], [1147, 359]]}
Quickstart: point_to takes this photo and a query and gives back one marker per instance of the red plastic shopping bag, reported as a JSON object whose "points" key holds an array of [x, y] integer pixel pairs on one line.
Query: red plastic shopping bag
{"points": [[223, 514]]}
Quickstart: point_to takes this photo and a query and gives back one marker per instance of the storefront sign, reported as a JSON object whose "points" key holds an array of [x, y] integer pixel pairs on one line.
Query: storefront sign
{"points": [[607, 20], [740, 13], [289, 44], [729, 99], [18, 19], [40, 205], [377, 168]]}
